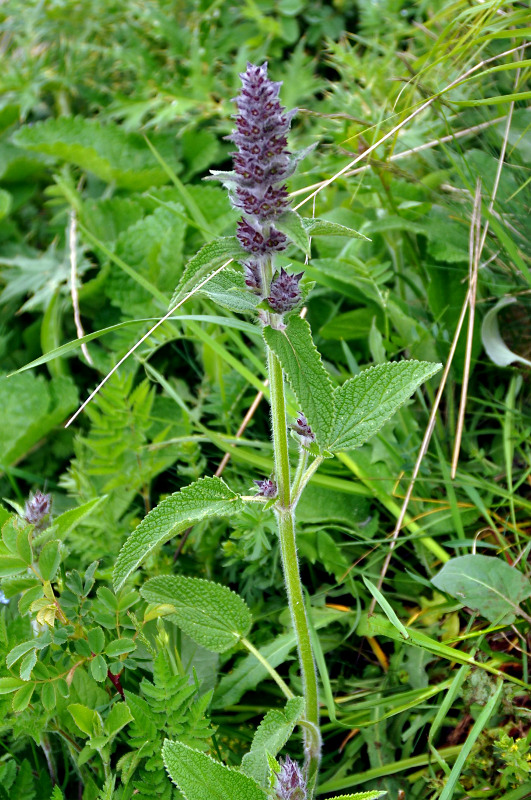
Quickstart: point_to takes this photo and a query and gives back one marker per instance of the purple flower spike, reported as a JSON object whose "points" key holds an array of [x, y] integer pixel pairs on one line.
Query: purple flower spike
{"points": [[261, 164], [268, 488], [37, 508], [285, 291], [290, 782]]}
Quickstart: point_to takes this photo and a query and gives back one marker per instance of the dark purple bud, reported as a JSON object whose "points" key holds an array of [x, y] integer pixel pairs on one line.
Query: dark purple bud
{"points": [[253, 279], [252, 240], [290, 783], [302, 428], [268, 488], [285, 291], [37, 508]]}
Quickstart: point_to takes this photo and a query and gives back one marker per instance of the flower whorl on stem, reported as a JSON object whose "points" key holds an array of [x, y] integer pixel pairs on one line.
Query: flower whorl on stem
{"points": [[261, 164]]}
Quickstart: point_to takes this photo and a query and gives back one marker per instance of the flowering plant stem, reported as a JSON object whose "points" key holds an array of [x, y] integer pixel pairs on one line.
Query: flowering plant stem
{"points": [[285, 514]]}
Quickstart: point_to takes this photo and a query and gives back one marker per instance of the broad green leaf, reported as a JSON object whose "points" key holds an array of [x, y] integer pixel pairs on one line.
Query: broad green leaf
{"points": [[27, 664], [365, 403], [119, 716], [22, 697], [228, 290], [308, 378], [6, 201], [48, 697], [207, 497], [212, 615], [105, 150], [98, 668], [270, 737], [49, 560], [24, 647], [84, 717], [322, 227], [486, 584], [199, 777], [96, 640], [293, 226], [118, 647], [211, 256], [11, 565], [10, 684]]}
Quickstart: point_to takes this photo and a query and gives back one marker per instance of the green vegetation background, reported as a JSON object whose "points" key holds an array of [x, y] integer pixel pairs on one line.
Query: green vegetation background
{"points": [[111, 114]]}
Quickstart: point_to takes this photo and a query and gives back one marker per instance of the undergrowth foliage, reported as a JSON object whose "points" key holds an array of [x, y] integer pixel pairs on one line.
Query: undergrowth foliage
{"points": [[216, 582]]}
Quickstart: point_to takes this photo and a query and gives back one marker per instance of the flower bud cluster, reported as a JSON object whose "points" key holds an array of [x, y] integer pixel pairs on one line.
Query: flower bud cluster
{"points": [[267, 488], [261, 165], [290, 784], [37, 508]]}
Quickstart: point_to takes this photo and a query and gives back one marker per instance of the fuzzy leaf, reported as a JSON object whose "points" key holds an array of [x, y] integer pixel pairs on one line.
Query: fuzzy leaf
{"points": [[270, 737], [228, 289], [207, 497], [211, 256], [322, 227], [372, 795], [292, 225], [486, 584], [105, 150], [365, 403], [309, 380], [212, 615], [199, 777], [49, 560]]}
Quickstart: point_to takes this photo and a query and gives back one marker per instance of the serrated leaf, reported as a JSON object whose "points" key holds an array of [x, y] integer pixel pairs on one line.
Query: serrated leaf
{"points": [[365, 403], [119, 716], [212, 615], [27, 664], [211, 256], [98, 668], [199, 777], [49, 560], [10, 684], [228, 289], [306, 374], [118, 647], [293, 226], [96, 639], [11, 565], [270, 737], [485, 583], [84, 717], [207, 497], [22, 697], [105, 150], [322, 227], [48, 697]]}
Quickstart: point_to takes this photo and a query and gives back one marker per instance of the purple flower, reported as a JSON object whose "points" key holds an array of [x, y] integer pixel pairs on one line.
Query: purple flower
{"points": [[262, 162], [302, 428], [268, 488], [285, 291], [37, 508], [290, 783]]}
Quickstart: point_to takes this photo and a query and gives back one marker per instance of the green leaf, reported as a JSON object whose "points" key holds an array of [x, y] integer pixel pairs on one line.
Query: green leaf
{"points": [[292, 225], [211, 256], [207, 497], [98, 668], [486, 584], [11, 565], [49, 560], [322, 227], [84, 717], [48, 697], [105, 150], [199, 777], [24, 547], [96, 640], [6, 201], [270, 737], [10, 684], [27, 664], [210, 614], [228, 290], [308, 378], [118, 647], [22, 697], [119, 716], [365, 403]]}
